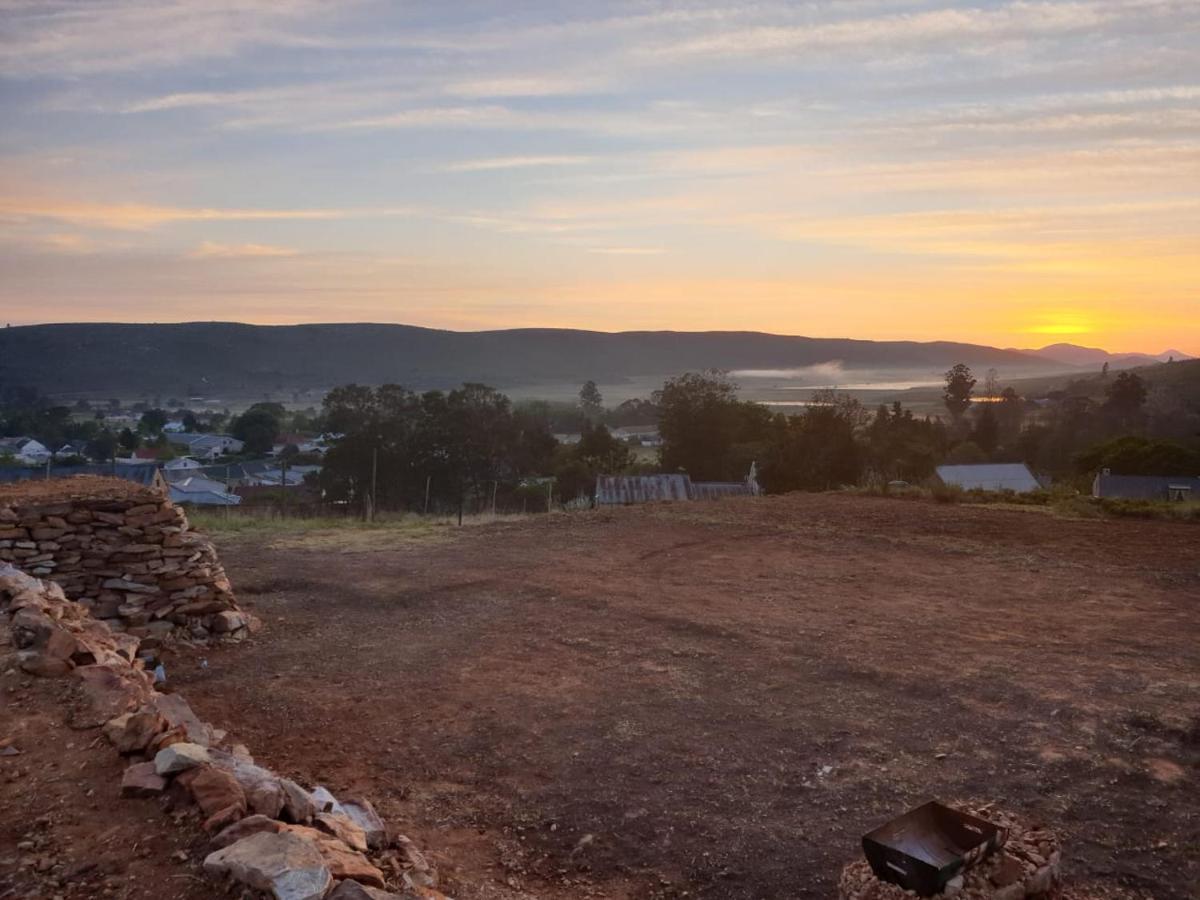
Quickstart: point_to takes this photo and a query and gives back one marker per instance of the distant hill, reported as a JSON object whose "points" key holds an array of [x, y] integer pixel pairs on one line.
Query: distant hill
{"points": [[229, 359], [1074, 355]]}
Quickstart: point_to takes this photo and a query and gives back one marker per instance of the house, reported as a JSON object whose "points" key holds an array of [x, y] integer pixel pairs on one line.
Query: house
{"points": [[1173, 488], [183, 463], [276, 477], [206, 446], [644, 435], [174, 426], [25, 450], [1014, 477], [72, 448], [200, 491]]}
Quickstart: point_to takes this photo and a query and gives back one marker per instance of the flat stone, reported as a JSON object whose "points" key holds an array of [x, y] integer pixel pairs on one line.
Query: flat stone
{"points": [[108, 691], [342, 828], [179, 758], [298, 804], [285, 864], [266, 798], [352, 890], [140, 780], [360, 811], [134, 732], [246, 827], [179, 714], [214, 790]]}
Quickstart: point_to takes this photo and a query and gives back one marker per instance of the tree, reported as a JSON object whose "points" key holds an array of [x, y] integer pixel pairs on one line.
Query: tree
{"points": [[258, 427], [103, 446], [152, 421], [1104, 370], [129, 440], [1125, 398], [987, 430], [818, 450], [706, 431], [1133, 455], [591, 401], [991, 383], [960, 382]]}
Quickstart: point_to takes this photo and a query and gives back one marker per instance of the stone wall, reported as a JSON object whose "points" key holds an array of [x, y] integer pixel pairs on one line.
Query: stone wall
{"points": [[267, 833], [122, 550]]}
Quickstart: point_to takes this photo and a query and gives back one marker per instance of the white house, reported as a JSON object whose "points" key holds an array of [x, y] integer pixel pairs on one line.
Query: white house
{"points": [[182, 463], [206, 446], [25, 450]]}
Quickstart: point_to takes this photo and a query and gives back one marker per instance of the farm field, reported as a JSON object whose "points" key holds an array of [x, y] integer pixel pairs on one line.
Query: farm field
{"points": [[717, 700]]}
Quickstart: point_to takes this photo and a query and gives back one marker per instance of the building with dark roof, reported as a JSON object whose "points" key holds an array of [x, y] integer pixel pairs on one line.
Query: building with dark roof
{"points": [[1176, 488]]}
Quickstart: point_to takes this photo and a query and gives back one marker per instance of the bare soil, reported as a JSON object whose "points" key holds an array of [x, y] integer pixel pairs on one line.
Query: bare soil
{"points": [[718, 700]]}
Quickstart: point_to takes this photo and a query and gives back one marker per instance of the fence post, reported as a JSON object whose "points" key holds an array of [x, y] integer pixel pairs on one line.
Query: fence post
{"points": [[428, 478]]}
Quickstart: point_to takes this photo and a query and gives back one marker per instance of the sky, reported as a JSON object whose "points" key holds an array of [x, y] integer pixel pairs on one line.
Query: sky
{"points": [[1009, 172]]}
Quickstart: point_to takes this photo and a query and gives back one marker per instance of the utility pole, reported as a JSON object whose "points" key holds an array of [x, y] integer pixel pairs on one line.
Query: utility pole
{"points": [[428, 478], [374, 480]]}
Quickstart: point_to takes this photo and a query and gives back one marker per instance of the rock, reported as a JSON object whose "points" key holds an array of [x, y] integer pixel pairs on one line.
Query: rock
{"points": [[352, 890], [298, 804], [246, 827], [1008, 871], [179, 758], [266, 798], [179, 714], [215, 790], [108, 691], [342, 828], [227, 621], [141, 780], [287, 865], [134, 732], [345, 863], [325, 801], [223, 818], [360, 811]]}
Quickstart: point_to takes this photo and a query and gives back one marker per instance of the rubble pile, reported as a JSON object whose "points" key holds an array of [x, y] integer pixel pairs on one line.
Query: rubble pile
{"points": [[267, 832], [1027, 866], [125, 552]]}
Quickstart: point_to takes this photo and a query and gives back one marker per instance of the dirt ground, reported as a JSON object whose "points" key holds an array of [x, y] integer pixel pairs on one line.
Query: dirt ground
{"points": [[718, 700]]}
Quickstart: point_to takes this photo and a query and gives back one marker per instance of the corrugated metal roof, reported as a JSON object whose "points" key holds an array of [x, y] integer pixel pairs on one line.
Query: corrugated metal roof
{"points": [[990, 477], [1144, 487], [139, 474], [712, 490], [616, 490]]}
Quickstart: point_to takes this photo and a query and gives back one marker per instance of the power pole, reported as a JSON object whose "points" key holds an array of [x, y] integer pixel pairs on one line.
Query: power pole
{"points": [[374, 480]]}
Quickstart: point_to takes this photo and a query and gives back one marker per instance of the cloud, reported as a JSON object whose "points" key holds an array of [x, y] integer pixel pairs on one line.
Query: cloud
{"points": [[628, 251], [140, 216], [214, 250], [514, 162], [63, 38]]}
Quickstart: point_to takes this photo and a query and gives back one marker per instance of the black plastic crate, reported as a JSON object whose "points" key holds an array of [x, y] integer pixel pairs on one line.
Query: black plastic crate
{"points": [[927, 846]]}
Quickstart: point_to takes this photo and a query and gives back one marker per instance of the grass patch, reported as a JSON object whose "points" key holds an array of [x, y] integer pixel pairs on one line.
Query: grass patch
{"points": [[335, 532]]}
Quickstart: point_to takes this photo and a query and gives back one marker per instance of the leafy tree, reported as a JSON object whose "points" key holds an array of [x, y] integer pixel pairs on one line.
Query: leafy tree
{"points": [[1134, 455], [987, 429], [1125, 398], [818, 450], [590, 400], [258, 427], [103, 446], [129, 440], [960, 382], [706, 431], [152, 421]]}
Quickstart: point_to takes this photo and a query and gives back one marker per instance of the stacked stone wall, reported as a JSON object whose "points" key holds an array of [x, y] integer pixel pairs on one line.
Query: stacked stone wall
{"points": [[125, 552]]}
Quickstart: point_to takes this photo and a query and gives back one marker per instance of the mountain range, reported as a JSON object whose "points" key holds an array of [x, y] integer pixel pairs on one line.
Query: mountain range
{"points": [[232, 359], [1074, 355]]}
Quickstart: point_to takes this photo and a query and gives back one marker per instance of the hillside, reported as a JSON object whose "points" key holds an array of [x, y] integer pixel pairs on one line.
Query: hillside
{"points": [[206, 358]]}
